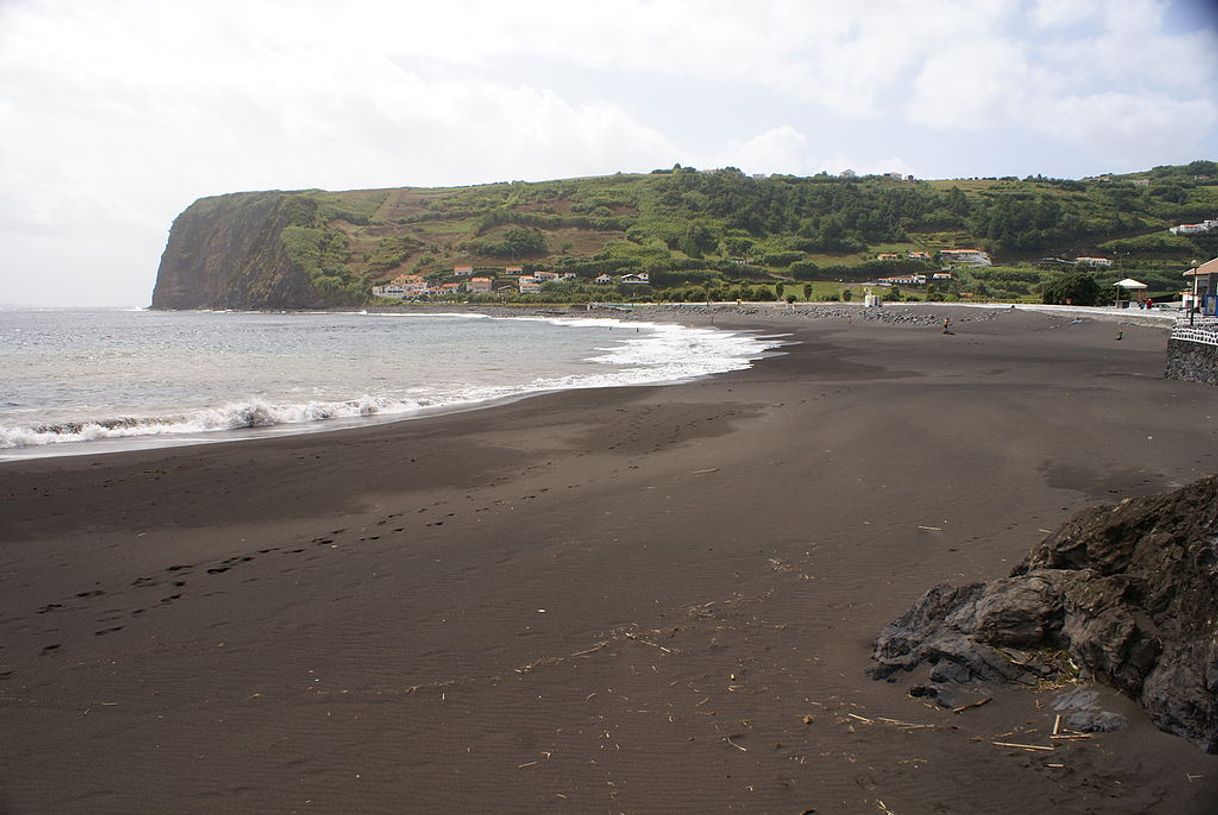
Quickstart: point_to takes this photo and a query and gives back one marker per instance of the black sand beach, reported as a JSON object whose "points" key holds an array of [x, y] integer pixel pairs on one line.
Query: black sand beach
{"points": [[651, 599]]}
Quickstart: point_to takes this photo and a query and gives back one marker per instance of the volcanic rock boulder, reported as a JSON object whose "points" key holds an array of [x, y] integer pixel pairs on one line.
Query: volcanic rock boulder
{"points": [[1127, 594]]}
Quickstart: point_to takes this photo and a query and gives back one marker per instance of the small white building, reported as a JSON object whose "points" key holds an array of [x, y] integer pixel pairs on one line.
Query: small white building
{"points": [[640, 279], [529, 284], [602, 280], [463, 271], [391, 291], [480, 285], [1090, 261]]}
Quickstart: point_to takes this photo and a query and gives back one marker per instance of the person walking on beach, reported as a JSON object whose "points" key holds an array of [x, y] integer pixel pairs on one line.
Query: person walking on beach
{"points": [[947, 321]]}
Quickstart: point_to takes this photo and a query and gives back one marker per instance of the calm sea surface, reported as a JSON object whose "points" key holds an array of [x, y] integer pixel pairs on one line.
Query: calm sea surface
{"points": [[74, 381]]}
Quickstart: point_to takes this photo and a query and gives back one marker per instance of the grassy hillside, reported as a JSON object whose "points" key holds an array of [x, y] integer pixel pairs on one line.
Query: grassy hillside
{"points": [[731, 233]]}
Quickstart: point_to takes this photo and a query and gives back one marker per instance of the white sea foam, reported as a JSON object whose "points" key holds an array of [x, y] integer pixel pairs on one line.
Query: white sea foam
{"points": [[640, 354]]}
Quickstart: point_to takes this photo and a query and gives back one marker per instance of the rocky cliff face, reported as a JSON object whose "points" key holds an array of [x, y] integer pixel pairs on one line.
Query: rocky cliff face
{"points": [[227, 252], [1125, 594]]}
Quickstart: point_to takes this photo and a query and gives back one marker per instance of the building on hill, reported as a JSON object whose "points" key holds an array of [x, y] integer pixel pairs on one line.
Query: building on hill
{"points": [[965, 257], [480, 285], [903, 280], [915, 255], [529, 285], [1195, 229], [942, 276], [886, 256], [463, 271], [391, 291], [640, 279], [543, 276], [1091, 261], [602, 280], [514, 271]]}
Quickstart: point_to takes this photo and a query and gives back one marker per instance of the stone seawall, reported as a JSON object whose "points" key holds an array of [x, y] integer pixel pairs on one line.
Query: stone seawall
{"points": [[1192, 359]]}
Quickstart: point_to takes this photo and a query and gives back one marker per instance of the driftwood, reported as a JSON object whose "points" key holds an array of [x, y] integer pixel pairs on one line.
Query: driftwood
{"points": [[972, 705], [1018, 746]]}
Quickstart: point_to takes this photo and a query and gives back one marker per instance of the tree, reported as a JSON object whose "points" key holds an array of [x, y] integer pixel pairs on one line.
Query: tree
{"points": [[1071, 288], [778, 289], [807, 291], [697, 240], [847, 294]]}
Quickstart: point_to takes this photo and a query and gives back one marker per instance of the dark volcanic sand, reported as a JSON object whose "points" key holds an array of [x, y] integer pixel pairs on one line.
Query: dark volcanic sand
{"points": [[541, 606]]}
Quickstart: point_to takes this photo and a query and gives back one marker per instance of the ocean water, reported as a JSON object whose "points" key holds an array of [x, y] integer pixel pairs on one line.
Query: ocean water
{"points": [[86, 381]]}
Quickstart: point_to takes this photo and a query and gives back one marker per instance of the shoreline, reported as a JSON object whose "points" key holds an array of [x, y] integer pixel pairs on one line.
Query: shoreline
{"points": [[264, 416], [648, 598], [689, 315]]}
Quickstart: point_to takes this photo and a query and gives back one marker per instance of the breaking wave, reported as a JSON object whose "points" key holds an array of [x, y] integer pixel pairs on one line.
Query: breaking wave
{"points": [[233, 416], [644, 354]]}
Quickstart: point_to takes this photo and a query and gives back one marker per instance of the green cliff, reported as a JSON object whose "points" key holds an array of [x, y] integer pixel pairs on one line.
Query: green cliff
{"points": [[694, 232]]}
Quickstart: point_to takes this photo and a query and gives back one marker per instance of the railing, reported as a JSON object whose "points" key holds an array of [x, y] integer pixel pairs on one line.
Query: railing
{"points": [[1205, 336]]}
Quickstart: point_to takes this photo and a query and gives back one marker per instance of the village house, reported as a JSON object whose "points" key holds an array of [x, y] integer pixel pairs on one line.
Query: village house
{"points": [[602, 280], [886, 256], [391, 291], [1203, 280], [915, 255], [402, 287], [965, 257], [1090, 261], [463, 271], [514, 270], [568, 275], [640, 279], [904, 280], [480, 285], [941, 276], [1195, 229], [529, 284], [450, 288], [544, 276]]}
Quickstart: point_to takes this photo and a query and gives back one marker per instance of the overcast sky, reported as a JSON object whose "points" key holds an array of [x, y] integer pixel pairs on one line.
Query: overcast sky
{"points": [[115, 116]]}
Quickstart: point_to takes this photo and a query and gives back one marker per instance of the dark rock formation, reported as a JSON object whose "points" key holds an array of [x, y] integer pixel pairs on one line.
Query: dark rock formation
{"points": [[1125, 594], [227, 252]]}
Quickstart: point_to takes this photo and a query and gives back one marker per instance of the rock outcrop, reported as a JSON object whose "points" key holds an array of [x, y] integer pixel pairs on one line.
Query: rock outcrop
{"points": [[228, 252], [1127, 594]]}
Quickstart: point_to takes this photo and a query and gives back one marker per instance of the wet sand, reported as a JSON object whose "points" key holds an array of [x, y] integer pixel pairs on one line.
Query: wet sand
{"points": [[632, 600]]}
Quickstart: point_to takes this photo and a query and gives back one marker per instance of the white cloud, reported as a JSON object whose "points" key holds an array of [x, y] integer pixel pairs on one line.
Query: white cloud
{"points": [[1121, 125], [116, 115], [778, 150], [1048, 14]]}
